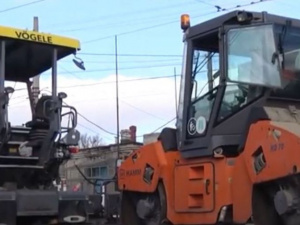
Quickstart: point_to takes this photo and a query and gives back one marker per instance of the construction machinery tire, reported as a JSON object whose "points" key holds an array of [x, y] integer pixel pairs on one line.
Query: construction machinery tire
{"points": [[263, 210], [144, 208]]}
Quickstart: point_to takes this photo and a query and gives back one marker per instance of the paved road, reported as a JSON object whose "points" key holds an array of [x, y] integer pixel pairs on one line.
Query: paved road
{"points": [[102, 222]]}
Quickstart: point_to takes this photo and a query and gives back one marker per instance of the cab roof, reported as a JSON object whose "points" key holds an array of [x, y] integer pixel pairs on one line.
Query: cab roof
{"points": [[29, 53], [214, 24]]}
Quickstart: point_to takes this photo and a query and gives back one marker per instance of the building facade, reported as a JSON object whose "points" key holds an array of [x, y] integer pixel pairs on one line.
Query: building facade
{"points": [[95, 163], [92, 164]]}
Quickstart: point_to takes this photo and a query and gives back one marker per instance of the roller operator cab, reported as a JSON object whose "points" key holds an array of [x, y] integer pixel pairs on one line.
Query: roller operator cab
{"points": [[234, 155], [31, 154]]}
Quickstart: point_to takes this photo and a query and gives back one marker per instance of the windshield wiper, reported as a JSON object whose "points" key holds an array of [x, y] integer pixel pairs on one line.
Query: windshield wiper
{"points": [[196, 66], [281, 42]]}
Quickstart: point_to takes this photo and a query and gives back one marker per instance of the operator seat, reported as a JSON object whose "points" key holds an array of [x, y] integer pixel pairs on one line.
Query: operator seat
{"points": [[41, 117], [40, 123]]}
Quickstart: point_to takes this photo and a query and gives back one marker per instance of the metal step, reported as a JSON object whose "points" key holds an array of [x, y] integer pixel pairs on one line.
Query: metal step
{"points": [[19, 162], [19, 157], [22, 166], [14, 142]]}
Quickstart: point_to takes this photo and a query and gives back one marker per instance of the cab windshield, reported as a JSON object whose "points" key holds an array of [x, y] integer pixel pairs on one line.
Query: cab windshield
{"points": [[266, 55], [251, 56]]}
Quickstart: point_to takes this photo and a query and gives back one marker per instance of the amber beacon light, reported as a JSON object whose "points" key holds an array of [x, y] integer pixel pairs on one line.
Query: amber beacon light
{"points": [[185, 21]]}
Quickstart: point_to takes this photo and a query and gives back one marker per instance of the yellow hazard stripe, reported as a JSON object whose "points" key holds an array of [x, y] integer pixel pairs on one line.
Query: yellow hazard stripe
{"points": [[39, 37]]}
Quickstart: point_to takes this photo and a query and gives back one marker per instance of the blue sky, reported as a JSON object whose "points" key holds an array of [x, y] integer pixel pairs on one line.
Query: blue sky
{"points": [[146, 103]]}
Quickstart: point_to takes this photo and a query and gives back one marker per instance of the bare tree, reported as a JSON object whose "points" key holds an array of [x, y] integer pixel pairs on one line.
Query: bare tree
{"points": [[87, 141], [95, 141], [84, 141]]}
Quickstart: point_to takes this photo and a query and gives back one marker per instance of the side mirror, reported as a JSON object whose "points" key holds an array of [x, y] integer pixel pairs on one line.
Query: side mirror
{"points": [[79, 63], [9, 90], [62, 95]]}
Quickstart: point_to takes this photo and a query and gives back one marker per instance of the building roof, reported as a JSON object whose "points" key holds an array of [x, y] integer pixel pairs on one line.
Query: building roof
{"points": [[29, 53]]}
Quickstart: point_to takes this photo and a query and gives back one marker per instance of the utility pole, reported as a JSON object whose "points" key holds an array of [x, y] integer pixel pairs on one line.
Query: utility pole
{"points": [[36, 79], [118, 125], [175, 81], [117, 97]]}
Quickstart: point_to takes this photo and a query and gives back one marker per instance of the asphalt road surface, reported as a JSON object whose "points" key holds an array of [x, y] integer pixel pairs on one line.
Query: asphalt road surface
{"points": [[103, 222]]}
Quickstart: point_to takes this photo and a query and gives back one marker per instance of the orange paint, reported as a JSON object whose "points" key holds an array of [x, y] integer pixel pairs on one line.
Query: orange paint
{"points": [[197, 189]]}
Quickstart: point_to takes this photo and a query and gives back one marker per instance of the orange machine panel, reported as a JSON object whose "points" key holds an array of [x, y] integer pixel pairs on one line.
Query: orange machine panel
{"points": [[271, 152], [274, 149], [131, 172], [198, 189], [194, 188]]}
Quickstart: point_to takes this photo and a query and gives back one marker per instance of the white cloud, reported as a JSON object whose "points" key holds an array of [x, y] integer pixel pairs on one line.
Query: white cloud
{"points": [[145, 103]]}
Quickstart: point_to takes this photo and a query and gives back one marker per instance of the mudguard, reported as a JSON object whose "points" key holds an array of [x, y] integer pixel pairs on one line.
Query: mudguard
{"points": [[142, 169], [271, 152]]}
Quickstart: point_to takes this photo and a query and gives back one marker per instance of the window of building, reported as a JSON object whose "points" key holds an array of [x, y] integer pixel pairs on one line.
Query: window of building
{"points": [[88, 172], [96, 172], [103, 171]]}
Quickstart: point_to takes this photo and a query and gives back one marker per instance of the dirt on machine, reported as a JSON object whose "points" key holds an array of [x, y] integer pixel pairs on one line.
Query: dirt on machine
{"points": [[234, 156], [31, 154]]}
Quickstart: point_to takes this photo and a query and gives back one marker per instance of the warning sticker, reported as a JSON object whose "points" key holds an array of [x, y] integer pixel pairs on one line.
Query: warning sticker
{"points": [[191, 126], [201, 125]]}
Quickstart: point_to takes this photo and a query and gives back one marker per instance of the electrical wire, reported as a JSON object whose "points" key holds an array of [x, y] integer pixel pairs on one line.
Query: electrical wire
{"points": [[163, 125], [91, 122], [123, 15], [160, 127], [96, 125], [69, 72], [174, 21], [126, 61], [141, 20], [85, 127], [21, 6], [121, 81], [9, 98], [126, 55], [138, 109], [125, 68], [128, 32], [207, 3]]}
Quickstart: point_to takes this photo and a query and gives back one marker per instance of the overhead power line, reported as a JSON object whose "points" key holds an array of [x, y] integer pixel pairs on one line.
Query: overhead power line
{"points": [[125, 68], [109, 82], [122, 15], [141, 110], [91, 122], [165, 124], [96, 125], [102, 136], [132, 61], [206, 3], [21, 6], [69, 72], [87, 128], [127, 55], [219, 9], [129, 32]]}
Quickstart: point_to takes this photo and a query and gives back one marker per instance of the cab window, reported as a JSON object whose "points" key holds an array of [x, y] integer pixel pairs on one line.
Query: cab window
{"points": [[252, 56], [235, 97], [205, 79]]}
